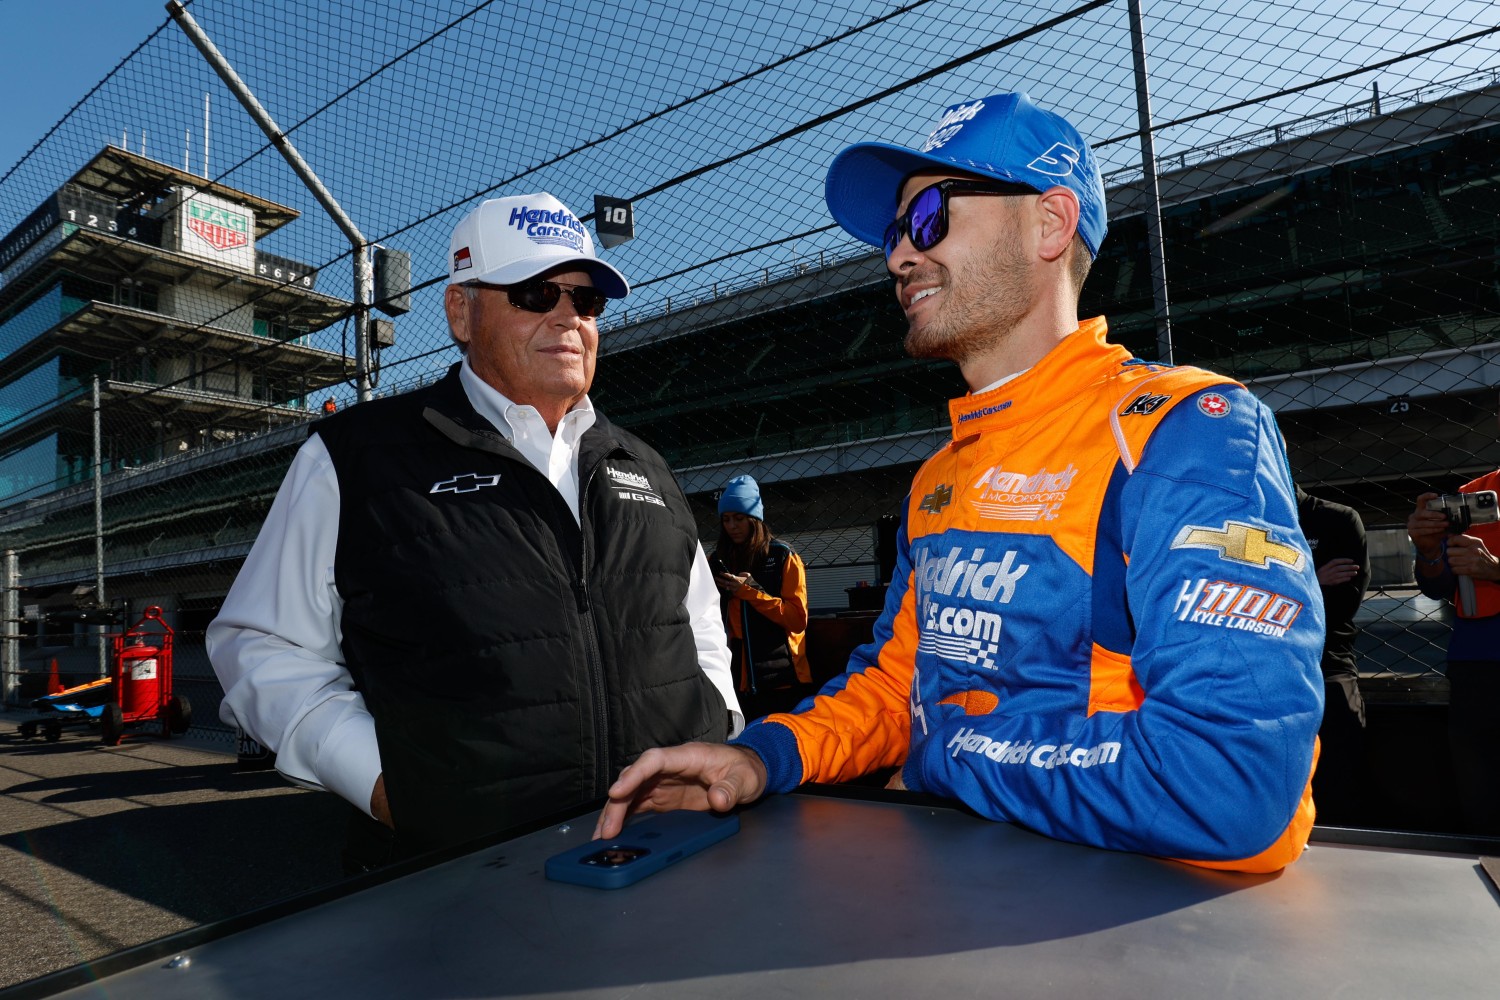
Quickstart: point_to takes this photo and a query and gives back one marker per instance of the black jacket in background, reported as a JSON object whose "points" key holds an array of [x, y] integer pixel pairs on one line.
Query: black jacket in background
{"points": [[1334, 531]]}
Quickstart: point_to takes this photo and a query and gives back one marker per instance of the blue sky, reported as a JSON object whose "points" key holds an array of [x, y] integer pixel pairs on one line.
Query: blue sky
{"points": [[52, 52], [500, 106]]}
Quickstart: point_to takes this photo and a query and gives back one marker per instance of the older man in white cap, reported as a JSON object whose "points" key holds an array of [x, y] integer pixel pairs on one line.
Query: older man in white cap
{"points": [[472, 604]]}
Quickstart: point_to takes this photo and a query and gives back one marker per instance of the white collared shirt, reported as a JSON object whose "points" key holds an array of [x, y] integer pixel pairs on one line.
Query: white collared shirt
{"points": [[554, 456], [276, 644]]}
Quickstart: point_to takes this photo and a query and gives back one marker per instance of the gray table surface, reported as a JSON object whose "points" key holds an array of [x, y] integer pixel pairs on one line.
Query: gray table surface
{"points": [[841, 898]]}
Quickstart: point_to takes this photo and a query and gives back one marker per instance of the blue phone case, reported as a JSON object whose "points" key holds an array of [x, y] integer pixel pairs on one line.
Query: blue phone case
{"points": [[641, 849]]}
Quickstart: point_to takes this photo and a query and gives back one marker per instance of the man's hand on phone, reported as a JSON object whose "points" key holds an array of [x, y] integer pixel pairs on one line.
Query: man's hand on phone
{"points": [[699, 776]]}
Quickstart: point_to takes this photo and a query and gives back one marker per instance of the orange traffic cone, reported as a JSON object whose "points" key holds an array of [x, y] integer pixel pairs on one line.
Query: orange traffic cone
{"points": [[54, 683]]}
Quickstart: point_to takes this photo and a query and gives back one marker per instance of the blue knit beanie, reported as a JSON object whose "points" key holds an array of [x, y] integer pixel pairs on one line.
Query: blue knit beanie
{"points": [[742, 496]]}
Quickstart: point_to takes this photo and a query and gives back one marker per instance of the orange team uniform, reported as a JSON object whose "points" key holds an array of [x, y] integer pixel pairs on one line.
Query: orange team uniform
{"points": [[1486, 592], [776, 612], [1104, 622]]}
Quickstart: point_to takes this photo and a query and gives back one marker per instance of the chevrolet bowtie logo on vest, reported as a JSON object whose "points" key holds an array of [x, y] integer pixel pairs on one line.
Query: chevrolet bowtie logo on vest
{"points": [[1241, 543], [466, 482], [934, 502]]}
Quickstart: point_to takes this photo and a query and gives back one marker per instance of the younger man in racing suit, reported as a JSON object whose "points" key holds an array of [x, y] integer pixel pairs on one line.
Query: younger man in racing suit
{"points": [[1104, 622]]}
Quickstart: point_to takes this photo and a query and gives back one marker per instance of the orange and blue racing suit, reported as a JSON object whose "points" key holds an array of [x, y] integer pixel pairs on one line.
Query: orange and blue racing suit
{"points": [[1104, 623]]}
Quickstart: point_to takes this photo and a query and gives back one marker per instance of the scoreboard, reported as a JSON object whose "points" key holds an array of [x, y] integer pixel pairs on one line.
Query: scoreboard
{"points": [[73, 205]]}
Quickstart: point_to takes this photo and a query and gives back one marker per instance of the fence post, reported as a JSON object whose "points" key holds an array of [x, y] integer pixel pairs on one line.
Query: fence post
{"points": [[99, 528], [1152, 209], [364, 275], [10, 650]]}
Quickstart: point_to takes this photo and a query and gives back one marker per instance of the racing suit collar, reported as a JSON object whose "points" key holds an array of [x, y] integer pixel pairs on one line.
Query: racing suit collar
{"points": [[1080, 358]]}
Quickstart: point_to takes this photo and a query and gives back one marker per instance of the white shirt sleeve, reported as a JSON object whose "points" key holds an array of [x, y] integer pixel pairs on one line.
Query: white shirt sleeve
{"points": [[276, 642], [702, 605]]}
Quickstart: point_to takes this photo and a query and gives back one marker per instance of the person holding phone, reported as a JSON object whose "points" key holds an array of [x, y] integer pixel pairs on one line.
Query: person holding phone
{"points": [[764, 586], [1473, 667], [1104, 623]]}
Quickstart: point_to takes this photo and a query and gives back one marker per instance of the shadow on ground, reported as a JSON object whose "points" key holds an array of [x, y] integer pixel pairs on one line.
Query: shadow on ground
{"points": [[204, 860]]}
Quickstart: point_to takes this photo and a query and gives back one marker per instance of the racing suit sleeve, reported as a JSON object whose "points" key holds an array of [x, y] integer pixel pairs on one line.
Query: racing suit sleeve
{"points": [[275, 644], [861, 720], [1211, 760]]}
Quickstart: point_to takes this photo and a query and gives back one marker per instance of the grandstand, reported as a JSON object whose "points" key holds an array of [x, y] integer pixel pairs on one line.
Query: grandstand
{"points": [[1344, 267], [150, 279], [1346, 272]]}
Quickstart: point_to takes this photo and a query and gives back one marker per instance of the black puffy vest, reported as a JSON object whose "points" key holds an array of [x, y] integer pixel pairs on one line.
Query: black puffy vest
{"points": [[513, 661]]}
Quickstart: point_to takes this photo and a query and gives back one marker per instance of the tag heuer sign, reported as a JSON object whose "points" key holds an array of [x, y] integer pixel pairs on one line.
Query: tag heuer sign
{"points": [[220, 228]]}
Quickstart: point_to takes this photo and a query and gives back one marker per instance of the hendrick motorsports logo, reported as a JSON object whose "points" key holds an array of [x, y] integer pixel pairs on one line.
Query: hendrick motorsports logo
{"points": [[1017, 496], [1234, 606], [218, 227], [1043, 755], [632, 479], [638, 487]]}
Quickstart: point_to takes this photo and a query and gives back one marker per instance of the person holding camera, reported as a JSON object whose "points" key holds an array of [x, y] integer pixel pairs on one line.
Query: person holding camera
{"points": [[1451, 548], [764, 601]]}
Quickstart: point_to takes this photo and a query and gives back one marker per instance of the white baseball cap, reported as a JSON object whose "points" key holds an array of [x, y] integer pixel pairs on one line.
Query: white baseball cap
{"points": [[507, 240]]}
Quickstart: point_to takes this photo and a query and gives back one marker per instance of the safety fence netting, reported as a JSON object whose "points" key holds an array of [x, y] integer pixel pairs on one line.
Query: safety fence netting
{"points": [[1318, 220]]}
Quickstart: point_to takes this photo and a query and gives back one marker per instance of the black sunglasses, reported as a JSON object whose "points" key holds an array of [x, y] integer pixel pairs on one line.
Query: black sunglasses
{"points": [[925, 220], [539, 295]]}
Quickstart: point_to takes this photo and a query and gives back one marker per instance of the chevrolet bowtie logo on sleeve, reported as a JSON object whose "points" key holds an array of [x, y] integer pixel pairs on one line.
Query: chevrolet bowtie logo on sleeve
{"points": [[466, 482], [934, 502], [1241, 543]]}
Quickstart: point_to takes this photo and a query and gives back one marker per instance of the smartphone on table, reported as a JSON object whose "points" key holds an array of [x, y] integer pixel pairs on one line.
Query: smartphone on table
{"points": [[641, 849]]}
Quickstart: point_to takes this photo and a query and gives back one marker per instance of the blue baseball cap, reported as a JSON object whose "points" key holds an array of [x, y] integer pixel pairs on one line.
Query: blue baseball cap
{"points": [[1006, 137]]}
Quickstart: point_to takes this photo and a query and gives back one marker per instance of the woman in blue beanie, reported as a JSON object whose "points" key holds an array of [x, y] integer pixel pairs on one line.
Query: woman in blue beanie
{"points": [[765, 603]]}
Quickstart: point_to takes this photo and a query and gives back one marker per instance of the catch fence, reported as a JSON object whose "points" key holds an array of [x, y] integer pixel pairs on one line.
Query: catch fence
{"points": [[1302, 196]]}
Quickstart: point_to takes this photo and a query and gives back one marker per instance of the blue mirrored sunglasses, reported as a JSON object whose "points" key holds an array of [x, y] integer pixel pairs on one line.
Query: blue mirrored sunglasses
{"points": [[925, 221]]}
